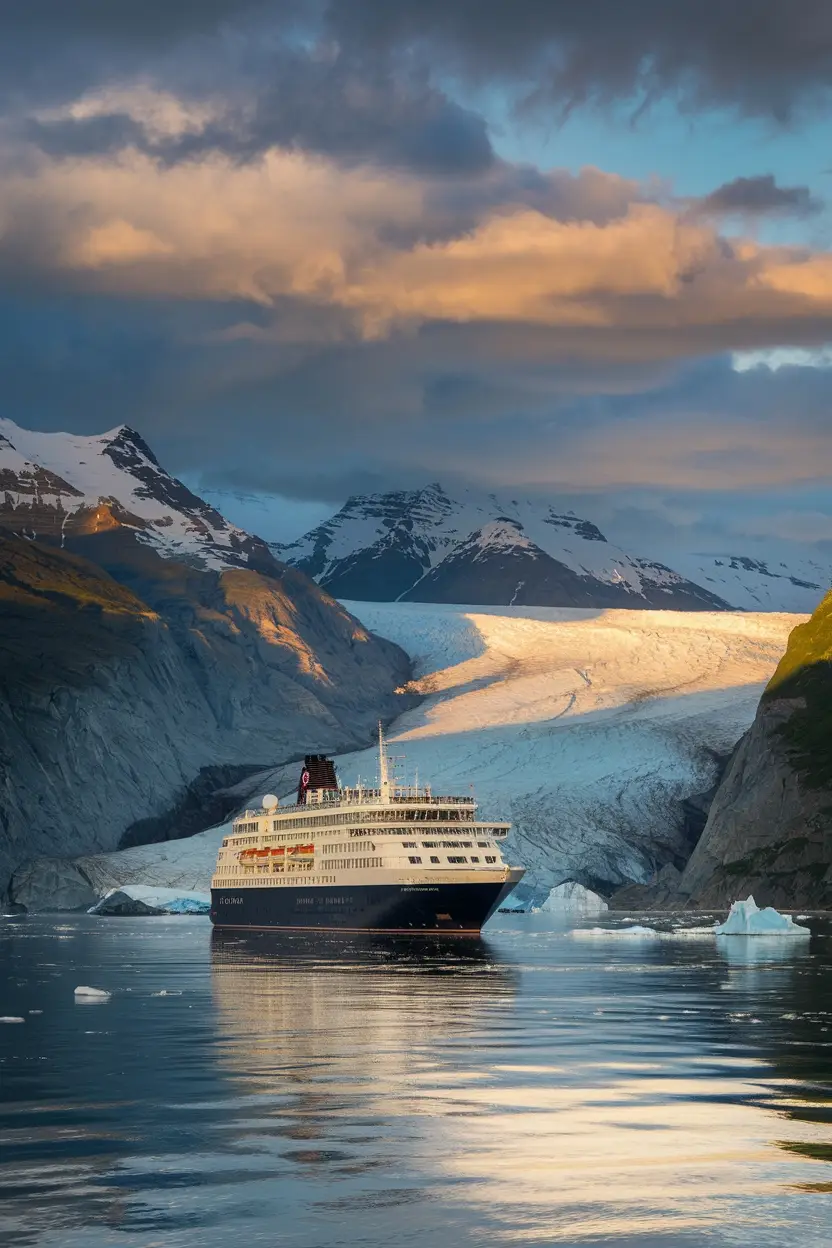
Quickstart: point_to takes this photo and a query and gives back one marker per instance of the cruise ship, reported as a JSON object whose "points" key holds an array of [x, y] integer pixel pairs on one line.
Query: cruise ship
{"points": [[395, 858]]}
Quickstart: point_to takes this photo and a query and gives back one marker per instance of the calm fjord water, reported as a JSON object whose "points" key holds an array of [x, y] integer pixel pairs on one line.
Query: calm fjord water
{"points": [[532, 1088]]}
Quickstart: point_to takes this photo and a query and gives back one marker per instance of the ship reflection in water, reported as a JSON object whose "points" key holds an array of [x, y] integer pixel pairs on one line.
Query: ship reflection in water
{"points": [[325, 1092], [340, 1035]]}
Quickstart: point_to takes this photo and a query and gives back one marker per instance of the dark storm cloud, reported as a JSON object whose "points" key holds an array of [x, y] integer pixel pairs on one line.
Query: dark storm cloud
{"points": [[314, 100], [122, 20], [760, 196], [335, 110], [448, 403], [763, 56]]}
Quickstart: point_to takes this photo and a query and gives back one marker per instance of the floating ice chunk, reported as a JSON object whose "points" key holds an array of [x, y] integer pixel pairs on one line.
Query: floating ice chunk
{"points": [[10, 1018], [747, 919], [141, 899], [636, 932], [92, 994], [646, 933], [573, 896]]}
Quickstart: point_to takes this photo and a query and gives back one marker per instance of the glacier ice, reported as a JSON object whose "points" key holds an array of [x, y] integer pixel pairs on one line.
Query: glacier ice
{"points": [[569, 723], [139, 899], [85, 993], [572, 897], [747, 919], [11, 1018]]}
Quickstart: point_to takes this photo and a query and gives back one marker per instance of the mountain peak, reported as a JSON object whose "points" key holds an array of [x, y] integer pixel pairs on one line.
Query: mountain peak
{"points": [[418, 544], [125, 436], [57, 484]]}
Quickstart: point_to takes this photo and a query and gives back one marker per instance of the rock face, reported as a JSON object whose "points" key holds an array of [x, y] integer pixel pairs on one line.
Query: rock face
{"points": [[424, 546], [769, 830], [133, 656]]}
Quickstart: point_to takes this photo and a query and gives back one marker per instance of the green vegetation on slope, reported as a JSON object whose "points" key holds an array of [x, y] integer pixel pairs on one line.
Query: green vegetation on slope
{"points": [[805, 672]]}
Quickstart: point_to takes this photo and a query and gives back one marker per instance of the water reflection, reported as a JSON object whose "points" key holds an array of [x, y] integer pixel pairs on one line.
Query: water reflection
{"points": [[526, 1088], [762, 950]]}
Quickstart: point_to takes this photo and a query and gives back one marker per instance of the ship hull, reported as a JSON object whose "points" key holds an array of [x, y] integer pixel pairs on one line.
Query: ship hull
{"points": [[408, 909]]}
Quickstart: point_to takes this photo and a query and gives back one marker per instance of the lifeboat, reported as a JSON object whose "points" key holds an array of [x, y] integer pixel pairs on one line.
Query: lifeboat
{"points": [[301, 849]]}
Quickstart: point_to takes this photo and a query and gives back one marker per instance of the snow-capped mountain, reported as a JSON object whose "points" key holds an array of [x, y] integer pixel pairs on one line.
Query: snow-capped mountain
{"points": [[58, 485], [795, 583], [424, 546]]}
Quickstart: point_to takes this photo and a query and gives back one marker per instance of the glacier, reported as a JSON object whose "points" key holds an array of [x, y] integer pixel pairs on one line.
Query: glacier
{"points": [[585, 728]]}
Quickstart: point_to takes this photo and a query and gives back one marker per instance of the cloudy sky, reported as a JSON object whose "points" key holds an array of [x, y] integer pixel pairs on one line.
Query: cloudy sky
{"points": [[311, 248]]}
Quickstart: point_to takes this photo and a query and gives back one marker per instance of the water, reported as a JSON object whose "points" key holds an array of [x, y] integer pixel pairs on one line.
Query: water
{"points": [[534, 1088]]}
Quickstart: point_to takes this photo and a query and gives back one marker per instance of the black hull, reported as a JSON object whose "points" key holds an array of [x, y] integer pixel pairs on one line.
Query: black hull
{"points": [[407, 909]]}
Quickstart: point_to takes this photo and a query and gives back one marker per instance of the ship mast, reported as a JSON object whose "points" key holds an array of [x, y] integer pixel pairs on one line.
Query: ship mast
{"points": [[384, 779]]}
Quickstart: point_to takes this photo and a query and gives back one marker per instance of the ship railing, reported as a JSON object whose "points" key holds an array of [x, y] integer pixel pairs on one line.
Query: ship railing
{"points": [[367, 797]]}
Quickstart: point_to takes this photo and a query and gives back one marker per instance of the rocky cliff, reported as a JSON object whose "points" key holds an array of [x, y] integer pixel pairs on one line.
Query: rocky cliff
{"points": [[769, 829], [143, 640]]}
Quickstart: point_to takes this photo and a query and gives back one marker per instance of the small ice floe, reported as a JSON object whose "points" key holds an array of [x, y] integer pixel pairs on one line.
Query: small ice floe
{"points": [[140, 899], [747, 919], [10, 1018], [35, 1011], [637, 932], [84, 993]]}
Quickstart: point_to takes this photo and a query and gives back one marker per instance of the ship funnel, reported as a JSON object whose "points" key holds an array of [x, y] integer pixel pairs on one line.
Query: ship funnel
{"points": [[318, 773]]}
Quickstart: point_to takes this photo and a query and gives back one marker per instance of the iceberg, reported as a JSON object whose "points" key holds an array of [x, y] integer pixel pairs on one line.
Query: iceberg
{"points": [[747, 919], [140, 899], [572, 897]]}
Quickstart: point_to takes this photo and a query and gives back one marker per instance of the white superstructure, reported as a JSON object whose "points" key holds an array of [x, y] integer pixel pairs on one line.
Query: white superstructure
{"points": [[390, 834]]}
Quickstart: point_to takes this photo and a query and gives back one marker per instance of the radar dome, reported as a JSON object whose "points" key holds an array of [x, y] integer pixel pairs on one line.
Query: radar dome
{"points": [[270, 801]]}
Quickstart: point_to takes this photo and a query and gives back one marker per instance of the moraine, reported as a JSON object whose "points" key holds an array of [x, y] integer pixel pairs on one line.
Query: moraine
{"points": [[388, 859]]}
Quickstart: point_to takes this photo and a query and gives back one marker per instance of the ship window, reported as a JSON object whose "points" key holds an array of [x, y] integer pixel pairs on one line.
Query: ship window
{"points": [[433, 858], [482, 844], [451, 844], [410, 844], [429, 844], [490, 858], [413, 859], [456, 858], [467, 844], [473, 859]]}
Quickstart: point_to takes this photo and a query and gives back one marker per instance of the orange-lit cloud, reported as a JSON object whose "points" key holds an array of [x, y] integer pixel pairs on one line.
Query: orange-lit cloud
{"points": [[302, 227]]}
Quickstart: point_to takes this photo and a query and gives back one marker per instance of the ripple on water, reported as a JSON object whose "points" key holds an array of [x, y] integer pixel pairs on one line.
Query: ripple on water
{"points": [[543, 1090]]}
